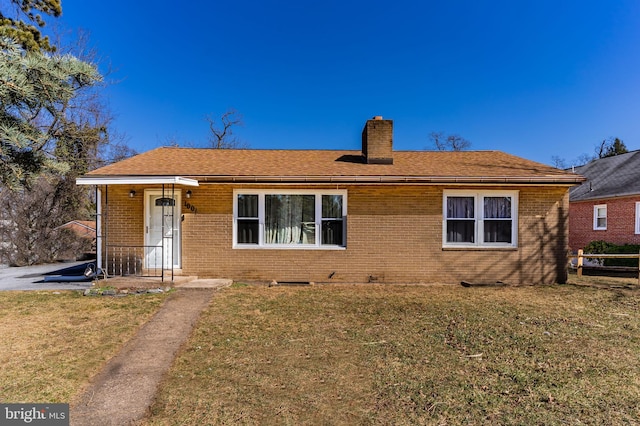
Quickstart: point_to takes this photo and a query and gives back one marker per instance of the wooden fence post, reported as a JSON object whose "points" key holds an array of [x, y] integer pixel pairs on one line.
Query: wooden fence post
{"points": [[580, 259]]}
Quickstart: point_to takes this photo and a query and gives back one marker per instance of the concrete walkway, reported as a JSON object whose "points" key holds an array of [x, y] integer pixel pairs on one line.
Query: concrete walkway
{"points": [[123, 391]]}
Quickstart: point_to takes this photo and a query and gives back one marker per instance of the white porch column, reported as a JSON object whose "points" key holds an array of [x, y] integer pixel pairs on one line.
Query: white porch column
{"points": [[99, 229]]}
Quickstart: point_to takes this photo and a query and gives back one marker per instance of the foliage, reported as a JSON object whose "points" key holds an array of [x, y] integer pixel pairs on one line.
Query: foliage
{"points": [[23, 22], [603, 247], [95, 143], [607, 148], [597, 247], [452, 142], [35, 92], [611, 147], [53, 128], [55, 139]]}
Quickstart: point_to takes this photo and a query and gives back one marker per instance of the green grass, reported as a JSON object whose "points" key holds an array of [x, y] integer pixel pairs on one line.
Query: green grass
{"points": [[372, 354], [53, 342]]}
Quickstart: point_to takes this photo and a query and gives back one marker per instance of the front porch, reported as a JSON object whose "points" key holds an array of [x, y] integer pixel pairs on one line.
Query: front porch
{"points": [[139, 226]]}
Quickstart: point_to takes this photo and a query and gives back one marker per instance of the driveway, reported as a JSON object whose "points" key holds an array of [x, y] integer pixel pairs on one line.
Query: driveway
{"points": [[32, 277]]}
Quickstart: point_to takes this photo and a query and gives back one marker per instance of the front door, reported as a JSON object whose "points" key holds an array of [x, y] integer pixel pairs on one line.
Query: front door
{"points": [[162, 229]]}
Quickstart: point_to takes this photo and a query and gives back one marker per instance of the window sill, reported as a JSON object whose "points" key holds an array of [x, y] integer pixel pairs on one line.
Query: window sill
{"points": [[479, 248], [286, 247]]}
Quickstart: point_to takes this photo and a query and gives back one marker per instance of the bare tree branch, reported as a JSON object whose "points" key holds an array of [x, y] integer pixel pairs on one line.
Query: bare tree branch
{"points": [[452, 142], [611, 147], [558, 162], [222, 132]]}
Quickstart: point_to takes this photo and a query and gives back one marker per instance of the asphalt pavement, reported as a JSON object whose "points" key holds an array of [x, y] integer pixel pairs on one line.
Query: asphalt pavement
{"points": [[32, 277]]}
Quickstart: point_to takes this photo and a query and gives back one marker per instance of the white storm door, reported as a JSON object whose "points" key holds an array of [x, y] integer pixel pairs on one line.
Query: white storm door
{"points": [[162, 230]]}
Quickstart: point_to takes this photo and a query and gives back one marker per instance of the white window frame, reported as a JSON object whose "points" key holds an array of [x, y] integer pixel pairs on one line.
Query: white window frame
{"points": [[479, 219], [596, 209], [318, 219], [637, 217]]}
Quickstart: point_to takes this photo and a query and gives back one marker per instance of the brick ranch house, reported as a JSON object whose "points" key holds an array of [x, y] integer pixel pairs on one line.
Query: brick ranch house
{"points": [[375, 215], [607, 205]]}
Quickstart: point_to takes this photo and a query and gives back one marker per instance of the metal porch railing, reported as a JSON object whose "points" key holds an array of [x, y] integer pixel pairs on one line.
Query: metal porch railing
{"points": [[139, 261]]}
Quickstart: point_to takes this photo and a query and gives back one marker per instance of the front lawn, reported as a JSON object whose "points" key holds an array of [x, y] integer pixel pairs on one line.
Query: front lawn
{"points": [[374, 354], [54, 341]]}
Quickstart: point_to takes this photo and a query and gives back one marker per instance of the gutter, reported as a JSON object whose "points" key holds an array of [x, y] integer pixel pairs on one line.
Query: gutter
{"points": [[392, 179], [194, 180]]}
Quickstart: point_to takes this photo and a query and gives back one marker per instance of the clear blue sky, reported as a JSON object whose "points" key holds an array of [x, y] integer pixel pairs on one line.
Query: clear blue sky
{"points": [[534, 79]]}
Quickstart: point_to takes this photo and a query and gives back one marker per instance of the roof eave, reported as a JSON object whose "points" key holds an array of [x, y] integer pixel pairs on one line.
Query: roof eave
{"points": [[563, 180], [604, 197], [194, 180], [136, 180]]}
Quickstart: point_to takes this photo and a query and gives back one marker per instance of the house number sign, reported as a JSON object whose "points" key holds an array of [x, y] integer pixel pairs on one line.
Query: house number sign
{"points": [[191, 207]]}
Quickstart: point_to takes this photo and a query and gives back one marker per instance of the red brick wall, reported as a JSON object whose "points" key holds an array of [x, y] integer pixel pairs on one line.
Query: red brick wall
{"points": [[621, 214], [394, 235]]}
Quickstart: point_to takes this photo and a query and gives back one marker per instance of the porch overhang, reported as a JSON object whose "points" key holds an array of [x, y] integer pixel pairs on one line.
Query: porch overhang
{"points": [[136, 180]]}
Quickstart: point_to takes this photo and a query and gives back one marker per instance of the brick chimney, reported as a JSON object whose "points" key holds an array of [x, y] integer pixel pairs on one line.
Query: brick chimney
{"points": [[377, 141]]}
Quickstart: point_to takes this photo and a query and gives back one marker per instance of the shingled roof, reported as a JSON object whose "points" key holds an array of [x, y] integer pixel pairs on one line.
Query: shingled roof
{"points": [[243, 165], [609, 177]]}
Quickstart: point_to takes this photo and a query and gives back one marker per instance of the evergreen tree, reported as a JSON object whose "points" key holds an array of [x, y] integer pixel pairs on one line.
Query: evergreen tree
{"points": [[26, 31], [35, 91], [53, 128], [611, 147]]}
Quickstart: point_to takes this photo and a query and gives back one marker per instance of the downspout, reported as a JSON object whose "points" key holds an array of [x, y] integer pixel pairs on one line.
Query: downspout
{"points": [[163, 238], [105, 237], [173, 223], [99, 264]]}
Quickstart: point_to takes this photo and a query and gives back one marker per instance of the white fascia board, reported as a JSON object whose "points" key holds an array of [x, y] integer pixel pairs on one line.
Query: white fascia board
{"points": [[136, 180]]}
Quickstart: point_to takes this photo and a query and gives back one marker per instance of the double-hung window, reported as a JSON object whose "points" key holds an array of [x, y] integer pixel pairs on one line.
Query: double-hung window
{"points": [[600, 217], [637, 217], [289, 219], [247, 219], [480, 219]]}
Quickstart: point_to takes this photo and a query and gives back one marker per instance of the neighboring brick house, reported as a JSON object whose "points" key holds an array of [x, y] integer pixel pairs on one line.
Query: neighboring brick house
{"points": [[375, 215], [607, 205], [82, 228]]}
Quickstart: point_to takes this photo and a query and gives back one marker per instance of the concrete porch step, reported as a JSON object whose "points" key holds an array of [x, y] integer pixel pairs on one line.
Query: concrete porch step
{"points": [[205, 283], [156, 282], [145, 282]]}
